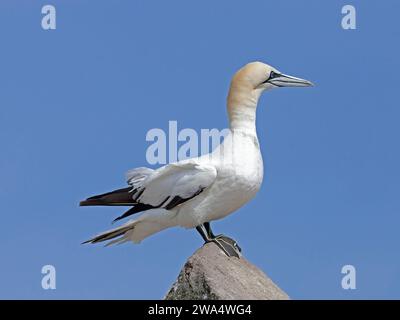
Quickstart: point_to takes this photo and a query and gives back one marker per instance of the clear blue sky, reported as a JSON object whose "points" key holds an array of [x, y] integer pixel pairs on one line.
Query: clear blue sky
{"points": [[77, 102]]}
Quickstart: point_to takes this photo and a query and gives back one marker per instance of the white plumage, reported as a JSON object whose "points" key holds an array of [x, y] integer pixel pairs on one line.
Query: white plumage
{"points": [[193, 192]]}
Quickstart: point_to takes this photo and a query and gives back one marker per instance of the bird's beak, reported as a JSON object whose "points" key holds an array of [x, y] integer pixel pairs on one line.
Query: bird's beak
{"points": [[283, 80]]}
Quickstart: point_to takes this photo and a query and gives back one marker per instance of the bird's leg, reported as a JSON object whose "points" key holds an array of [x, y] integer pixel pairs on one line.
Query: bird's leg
{"points": [[208, 229], [203, 232], [226, 244]]}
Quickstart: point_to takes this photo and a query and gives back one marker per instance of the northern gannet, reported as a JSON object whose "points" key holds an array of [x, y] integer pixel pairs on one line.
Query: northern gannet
{"points": [[193, 192]]}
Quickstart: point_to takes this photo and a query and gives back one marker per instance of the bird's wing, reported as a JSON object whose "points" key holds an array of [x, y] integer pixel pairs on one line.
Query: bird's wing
{"points": [[175, 183], [136, 176], [168, 186], [122, 197]]}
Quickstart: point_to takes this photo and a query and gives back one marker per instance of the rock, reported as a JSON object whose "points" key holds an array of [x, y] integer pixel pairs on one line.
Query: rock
{"points": [[211, 275]]}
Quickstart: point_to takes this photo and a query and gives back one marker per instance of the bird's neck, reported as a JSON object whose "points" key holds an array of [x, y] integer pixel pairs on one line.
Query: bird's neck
{"points": [[242, 106]]}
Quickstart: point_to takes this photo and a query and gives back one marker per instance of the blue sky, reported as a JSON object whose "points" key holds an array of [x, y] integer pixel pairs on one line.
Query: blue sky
{"points": [[76, 104]]}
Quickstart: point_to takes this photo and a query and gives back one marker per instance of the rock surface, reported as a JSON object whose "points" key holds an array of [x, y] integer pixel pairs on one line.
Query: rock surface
{"points": [[210, 274]]}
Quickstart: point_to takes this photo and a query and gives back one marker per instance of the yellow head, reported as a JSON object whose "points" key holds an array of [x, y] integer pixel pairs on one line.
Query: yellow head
{"points": [[256, 77]]}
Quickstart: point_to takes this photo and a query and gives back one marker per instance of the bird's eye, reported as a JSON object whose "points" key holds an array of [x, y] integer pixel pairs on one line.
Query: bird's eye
{"points": [[272, 75]]}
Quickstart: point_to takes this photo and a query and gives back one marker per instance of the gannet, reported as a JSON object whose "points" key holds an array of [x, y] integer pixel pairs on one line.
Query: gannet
{"points": [[193, 192]]}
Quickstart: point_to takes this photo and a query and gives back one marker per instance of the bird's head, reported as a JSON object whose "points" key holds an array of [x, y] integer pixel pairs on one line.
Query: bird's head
{"points": [[247, 86], [260, 76]]}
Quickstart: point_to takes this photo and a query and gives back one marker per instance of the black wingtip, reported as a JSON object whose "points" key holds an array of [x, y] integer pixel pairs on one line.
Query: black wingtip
{"points": [[95, 202], [83, 203]]}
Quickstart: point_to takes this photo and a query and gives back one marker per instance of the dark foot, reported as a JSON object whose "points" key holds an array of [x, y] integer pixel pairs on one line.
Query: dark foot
{"points": [[230, 240], [228, 245]]}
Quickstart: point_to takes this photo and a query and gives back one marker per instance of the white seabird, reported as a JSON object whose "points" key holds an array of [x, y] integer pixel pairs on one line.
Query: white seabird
{"points": [[193, 192]]}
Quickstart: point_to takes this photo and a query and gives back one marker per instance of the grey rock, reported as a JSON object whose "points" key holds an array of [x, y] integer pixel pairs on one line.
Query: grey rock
{"points": [[211, 275]]}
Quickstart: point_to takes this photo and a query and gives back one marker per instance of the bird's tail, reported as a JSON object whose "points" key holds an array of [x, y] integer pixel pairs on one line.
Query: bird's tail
{"points": [[148, 223], [120, 197], [114, 233]]}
